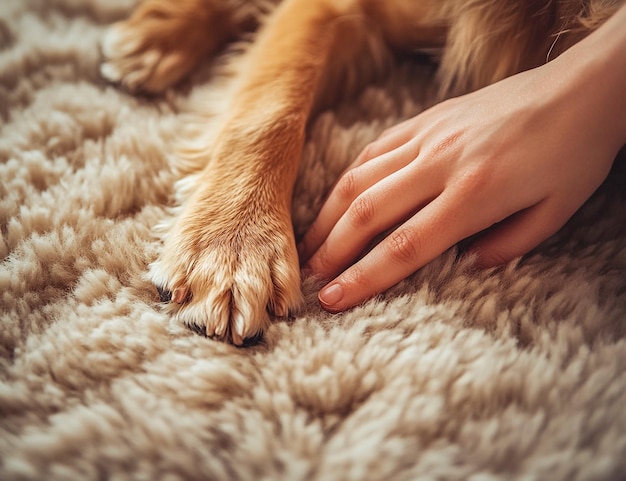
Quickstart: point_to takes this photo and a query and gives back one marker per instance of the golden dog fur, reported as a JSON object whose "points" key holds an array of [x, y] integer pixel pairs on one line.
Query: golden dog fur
{"points": [[229, 262]]}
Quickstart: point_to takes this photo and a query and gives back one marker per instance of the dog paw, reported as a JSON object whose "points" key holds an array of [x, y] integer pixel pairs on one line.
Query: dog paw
{"points": [[150, 53], [228, 277]]}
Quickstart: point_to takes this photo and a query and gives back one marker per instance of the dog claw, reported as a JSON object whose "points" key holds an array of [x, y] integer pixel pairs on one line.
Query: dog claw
{"points": [[238, 329], [253, 340], [180, 295], [200, 330], [237, 339], [164, 294]]}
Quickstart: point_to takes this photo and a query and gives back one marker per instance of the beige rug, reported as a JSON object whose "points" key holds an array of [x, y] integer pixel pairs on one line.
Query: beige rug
{"points": [[515, 373]]}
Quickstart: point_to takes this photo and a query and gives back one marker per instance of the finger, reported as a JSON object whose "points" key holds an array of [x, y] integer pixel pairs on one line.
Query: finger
{"points": [[383, 206], [387, 143], [434, 229], [348, 188], [390, 139], [517, 235]]}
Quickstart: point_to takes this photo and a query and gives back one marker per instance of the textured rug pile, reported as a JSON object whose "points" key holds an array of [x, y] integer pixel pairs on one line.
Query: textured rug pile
{"points": [[512, 373]]}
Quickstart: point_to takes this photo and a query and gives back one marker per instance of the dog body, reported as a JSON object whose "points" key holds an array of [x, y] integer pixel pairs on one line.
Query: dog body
{"points": [[229, 262]]}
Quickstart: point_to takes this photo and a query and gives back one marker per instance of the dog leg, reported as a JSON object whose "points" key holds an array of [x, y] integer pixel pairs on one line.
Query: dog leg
{"points": [[229, 263], [164, 40]]}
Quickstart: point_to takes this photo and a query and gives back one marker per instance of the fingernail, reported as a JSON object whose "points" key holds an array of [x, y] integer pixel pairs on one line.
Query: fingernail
{"points": [[331, 295]]}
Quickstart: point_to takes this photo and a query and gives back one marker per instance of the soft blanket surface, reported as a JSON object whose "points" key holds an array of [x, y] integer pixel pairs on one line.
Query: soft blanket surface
{"points": [[513, 373]]}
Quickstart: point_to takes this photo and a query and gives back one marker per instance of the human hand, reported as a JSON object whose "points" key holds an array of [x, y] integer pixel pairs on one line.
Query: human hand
{"points": [[517, 158]]}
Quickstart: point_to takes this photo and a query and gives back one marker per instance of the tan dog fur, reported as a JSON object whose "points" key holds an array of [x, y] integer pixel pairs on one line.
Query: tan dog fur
{"points": [[230, 260]]}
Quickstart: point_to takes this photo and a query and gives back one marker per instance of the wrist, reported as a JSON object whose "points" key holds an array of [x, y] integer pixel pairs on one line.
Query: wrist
{"points": [[594, 74]]}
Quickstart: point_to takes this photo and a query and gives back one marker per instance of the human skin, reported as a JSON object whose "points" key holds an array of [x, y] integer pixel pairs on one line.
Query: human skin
{"points": [[512, 161]]}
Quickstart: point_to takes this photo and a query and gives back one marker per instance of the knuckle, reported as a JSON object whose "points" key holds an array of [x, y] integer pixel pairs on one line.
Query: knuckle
{"points": [[403, 246], [347, 185], [362, 211], [357, 279], [369, 151], [476, 180]]}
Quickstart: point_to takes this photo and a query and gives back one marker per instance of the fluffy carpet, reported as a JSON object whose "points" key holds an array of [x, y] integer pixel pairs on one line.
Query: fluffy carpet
{"points": [[512, 373]]}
